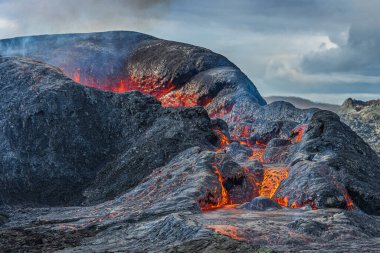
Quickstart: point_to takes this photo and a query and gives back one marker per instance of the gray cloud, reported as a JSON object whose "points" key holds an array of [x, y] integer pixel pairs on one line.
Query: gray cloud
{"points": [[360, 54], [56, 16]]}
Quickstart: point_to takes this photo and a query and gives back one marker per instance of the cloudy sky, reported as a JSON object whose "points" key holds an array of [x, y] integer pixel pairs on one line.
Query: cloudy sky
{"points": [[323, 50]]}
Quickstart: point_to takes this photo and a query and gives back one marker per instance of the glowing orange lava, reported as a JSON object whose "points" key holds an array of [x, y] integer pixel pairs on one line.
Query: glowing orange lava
{"points": [[282, 201], [223, 140], [178, 99], [221, 196], [227, 230], [298, 132], [146, 84], [245, 132], [349, 203], [76, 76], [169, 95], [224, 200], [257, 154], [272, 180]]}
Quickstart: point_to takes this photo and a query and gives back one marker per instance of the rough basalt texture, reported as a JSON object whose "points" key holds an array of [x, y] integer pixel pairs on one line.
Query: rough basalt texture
{"points": [[178, 74], [362, 116], [364, 119], [164, 171], [59, 138], [154, 216], [333, 167], [261, 204], [295, 230]]}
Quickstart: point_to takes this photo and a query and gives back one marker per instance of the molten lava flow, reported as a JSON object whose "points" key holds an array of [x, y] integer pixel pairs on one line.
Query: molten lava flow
{"points": [[223, 140], [257, 154], [349, 203], [76, 76], [298, 133], [178, 99], [169, 95], [257, 148], [282, 201], [272, 180], [222, 196], [244, 132], [227, 230], [147, 84]]}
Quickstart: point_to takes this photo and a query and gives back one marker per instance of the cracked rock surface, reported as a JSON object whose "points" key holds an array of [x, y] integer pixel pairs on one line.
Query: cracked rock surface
{"points": [[96, 169]]}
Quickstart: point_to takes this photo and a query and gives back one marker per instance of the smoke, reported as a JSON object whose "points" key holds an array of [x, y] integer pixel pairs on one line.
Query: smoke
{"points": [[24, 17]]}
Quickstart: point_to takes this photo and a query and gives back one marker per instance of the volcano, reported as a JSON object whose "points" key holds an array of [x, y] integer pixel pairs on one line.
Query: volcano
{"points": [[116, 134]]}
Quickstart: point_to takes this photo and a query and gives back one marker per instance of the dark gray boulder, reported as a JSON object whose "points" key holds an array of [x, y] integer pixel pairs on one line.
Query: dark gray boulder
{"points": [[261, 204]]}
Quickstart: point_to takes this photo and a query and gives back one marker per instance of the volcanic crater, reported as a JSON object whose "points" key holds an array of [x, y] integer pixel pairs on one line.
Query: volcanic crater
{"points": [[157, 144]]}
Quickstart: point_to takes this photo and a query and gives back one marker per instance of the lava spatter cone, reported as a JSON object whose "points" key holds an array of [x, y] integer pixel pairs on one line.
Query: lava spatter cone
{"points": [[137, 170]]}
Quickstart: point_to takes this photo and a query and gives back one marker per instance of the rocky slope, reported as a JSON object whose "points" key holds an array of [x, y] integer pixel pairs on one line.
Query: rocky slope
{"points": [[177, 74], [154, 178], [364, 119], [60, 138], [303, 103]]}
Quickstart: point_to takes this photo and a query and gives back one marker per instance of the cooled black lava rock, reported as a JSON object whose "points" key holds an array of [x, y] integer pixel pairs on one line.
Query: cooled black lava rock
{"points": [[308, 226], [59, 138], [332, 167], [278, 150], [178, 74], [62, 144], [3, 218], [261, 204]]}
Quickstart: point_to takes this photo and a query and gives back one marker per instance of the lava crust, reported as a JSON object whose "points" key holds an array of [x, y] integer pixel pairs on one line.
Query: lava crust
{"points": [[164, 170]]}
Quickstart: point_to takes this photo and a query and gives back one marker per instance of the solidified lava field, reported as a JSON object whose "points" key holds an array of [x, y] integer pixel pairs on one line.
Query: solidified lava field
{"points": [[123, 142]]}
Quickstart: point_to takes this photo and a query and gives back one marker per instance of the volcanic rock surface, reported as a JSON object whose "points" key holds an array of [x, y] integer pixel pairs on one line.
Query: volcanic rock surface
{"points": [[333, 167], [361, 116], [154, 178], [60, 138], [364, 119], [261, 204]]}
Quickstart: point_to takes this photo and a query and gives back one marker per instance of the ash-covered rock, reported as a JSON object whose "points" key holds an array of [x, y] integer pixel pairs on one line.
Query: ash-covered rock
{"points": [[261, 204], [153, 216], [158, 168], [295, 230], [308, 226], [60, 138], [177, 74], [333, 167], [278, 150]]}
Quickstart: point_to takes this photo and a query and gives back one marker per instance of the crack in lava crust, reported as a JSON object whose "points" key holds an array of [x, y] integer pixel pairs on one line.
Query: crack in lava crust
{"points": [[171, 96]]}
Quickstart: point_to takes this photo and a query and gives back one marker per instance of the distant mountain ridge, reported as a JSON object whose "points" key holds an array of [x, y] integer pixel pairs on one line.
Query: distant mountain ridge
{"points": [[303, 103]]}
